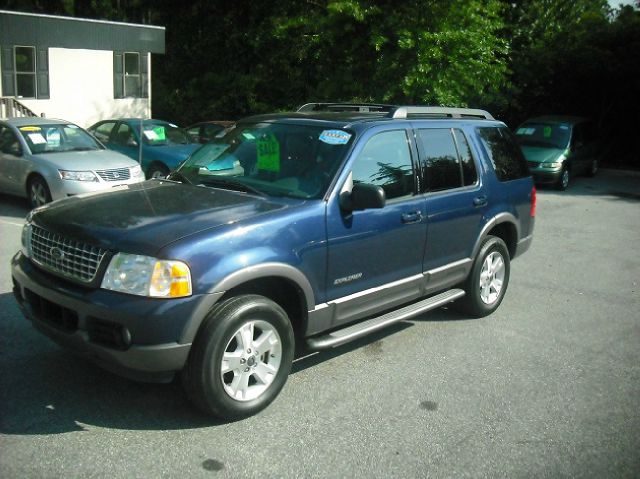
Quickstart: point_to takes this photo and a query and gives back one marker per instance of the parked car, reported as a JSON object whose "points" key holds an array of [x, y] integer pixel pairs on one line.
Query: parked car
{"points": [[558, 148], [205, 131], [163, 147], [310, 227], [43, 159]]}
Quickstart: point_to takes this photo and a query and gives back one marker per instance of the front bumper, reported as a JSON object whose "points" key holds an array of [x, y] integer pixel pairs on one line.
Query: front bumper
{"points": [[132, 336], [62, 188], [546, 177]]}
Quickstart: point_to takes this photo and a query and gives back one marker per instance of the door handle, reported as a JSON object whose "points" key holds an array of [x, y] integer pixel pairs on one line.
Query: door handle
{"points": [[480, 201], [413, 217]]}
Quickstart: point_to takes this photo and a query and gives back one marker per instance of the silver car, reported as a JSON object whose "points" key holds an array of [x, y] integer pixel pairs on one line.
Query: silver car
{"points": [[45, 159]]}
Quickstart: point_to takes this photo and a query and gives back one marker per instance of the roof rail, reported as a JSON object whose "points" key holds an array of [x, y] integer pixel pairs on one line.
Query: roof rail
{"points": [[348, 107], [402, 112]]}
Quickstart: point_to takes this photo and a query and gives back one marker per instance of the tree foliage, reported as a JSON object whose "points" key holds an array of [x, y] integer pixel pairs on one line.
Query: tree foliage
{"points": [[517, 58]]}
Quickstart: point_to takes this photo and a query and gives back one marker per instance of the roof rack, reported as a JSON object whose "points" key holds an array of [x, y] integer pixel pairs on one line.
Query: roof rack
{"points": [[402, 112], [349, 107], [399, 112]]}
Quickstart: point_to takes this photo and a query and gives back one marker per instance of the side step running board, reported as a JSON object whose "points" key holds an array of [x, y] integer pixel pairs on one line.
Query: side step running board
{"points": [[359, 330]]}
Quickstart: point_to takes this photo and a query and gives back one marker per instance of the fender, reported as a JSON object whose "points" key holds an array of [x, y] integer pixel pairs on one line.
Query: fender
{"points": [[496, 220], [238, 278]]}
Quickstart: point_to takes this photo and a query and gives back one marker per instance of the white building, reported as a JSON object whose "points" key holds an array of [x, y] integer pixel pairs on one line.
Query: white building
{"points": [[76, 69]]}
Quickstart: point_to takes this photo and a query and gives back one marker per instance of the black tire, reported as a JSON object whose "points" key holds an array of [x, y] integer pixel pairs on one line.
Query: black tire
{"points": [[563, 180], [473, 302], [203, 377], [157, 170], [38, 191], [593, 168]]}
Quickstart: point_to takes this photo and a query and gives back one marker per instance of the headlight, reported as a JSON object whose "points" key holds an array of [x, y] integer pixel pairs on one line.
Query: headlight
{"points": [[147, 276], [136, 171], [26, 239], [553, 164], [78, 175]]}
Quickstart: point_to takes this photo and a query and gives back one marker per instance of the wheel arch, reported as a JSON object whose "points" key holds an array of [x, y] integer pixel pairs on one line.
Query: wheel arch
{"points": [[285, 285], [505, 227]]}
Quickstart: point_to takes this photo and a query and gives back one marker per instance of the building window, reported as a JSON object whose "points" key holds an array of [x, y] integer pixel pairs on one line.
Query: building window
{"points": [[130, 71], [25, 71], [132, 75]]}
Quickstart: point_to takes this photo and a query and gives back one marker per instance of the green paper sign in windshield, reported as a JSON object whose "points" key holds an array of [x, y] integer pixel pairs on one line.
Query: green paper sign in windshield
{"points": [[268, 153]]}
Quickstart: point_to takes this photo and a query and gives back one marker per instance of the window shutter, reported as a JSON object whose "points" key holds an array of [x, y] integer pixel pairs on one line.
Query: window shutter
{"points": [[118, 76], [144, 74], [8, 75], [42, 73]]}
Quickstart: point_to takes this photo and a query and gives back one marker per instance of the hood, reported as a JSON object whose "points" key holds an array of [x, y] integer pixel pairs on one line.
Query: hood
{"points": [[541, 155], [86, 160], [171, 155], [144, 217]]}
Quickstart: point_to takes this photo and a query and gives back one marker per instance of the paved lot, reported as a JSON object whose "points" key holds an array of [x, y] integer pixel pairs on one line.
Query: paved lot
{"points": [[549, 386]]}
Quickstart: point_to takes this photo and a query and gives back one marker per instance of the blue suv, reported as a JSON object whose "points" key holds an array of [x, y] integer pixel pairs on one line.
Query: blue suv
{"points": [[315, 227]]}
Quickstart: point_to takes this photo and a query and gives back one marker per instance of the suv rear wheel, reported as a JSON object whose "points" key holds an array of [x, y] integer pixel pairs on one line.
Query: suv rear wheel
{"points": [[241, 357], [489, 278]]}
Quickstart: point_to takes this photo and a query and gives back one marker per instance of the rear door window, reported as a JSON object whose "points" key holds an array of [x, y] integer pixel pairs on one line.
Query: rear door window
{"points": [[504, 153]]}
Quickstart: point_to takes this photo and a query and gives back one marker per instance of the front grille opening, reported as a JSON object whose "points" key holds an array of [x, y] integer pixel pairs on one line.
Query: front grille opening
{"points": [[108, 334], [65, 256], [51, 313]]}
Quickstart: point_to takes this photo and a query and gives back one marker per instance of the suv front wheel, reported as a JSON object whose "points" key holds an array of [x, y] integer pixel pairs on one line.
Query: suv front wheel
{"points": [[241, 357], [489, 278]]}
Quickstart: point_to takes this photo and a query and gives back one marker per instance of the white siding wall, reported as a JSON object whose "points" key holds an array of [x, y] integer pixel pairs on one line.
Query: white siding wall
{"points": [[81, 87]]}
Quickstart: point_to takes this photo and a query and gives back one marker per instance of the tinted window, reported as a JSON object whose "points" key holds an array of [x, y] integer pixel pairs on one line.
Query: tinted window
{"points": [[504, 153], [386, 161], [441, 159], [8, 141], [124, 135], [469, 173]]}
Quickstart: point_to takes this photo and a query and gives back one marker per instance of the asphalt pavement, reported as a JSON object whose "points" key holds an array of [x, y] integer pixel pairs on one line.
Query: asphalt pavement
{"points": [[548, 386]]}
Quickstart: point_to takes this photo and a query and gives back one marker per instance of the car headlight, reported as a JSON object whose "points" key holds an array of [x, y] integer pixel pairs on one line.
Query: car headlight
{"points": [[551, 164], [78, 175], [136, 171], [147, 276]]}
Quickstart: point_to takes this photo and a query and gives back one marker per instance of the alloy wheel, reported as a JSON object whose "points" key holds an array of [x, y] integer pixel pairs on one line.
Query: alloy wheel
{"points": [[492, 277]]}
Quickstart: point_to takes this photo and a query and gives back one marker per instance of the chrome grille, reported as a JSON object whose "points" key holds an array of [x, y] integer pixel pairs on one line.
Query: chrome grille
{"points": [[116, 174], [65, 256]]}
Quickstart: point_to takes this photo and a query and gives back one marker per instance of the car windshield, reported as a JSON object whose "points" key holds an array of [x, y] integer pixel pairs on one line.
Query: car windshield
{"points": [[57, 138], [544, 135], [275, 159], [163, 134]]}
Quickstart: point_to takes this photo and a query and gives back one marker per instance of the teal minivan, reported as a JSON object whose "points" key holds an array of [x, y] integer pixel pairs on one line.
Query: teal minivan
{"points": [[558, 148]]}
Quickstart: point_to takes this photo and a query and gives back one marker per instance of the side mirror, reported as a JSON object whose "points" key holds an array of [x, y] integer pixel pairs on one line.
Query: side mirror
{"points": [[363, 196]]}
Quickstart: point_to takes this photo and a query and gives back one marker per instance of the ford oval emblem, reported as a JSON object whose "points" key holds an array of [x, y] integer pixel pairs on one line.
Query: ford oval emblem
{"points": [[56, 253]]}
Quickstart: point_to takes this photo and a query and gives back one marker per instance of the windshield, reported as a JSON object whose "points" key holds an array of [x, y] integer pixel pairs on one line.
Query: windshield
{"points": [[57, 138], [544, 135], [275, 159], [163, 134]]}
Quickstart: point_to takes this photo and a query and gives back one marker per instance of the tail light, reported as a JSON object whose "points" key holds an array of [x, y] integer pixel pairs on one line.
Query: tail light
{"points": [[533, 202]]}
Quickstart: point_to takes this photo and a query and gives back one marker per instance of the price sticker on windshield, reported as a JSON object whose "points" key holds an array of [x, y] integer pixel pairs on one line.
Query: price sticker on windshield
{"points": [[268, 153]]}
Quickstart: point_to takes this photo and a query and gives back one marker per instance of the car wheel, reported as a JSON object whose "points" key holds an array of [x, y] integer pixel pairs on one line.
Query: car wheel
{"points": [[563, 181], [487, 283], [39, 193], [241, 357], [593, 169], [157, 170]]}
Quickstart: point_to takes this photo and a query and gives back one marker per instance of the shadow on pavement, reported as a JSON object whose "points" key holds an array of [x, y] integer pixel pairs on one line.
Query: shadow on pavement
{"points": [[47, 390], [13, 207]]}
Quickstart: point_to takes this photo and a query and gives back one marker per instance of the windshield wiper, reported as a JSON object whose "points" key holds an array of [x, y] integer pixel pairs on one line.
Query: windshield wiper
{"points": [[231, 184], [81, 148], [177, 176]]}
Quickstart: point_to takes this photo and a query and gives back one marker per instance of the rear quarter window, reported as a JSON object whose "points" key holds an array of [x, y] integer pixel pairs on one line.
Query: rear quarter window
{"points": [[504, 153]]}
